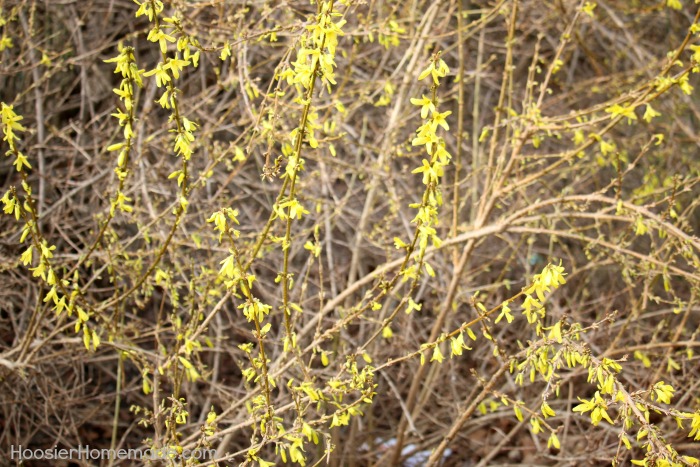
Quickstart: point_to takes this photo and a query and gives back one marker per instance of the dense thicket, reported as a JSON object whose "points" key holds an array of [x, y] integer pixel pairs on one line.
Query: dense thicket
{"points": [[368, 233]]}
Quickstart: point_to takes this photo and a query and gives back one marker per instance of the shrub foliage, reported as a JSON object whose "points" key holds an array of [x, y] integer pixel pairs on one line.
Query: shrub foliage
{"points": [[362, 233]]}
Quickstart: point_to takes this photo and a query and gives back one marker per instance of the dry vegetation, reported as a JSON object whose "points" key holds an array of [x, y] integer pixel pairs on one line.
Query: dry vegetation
{"points": [[572, 142]]}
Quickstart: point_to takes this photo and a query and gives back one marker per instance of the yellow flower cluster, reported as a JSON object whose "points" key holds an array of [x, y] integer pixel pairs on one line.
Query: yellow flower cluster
{"points": [[10, 124], [5, 40], [598, 408], [550, 278], [317, 53], [169, 69], [234, 275], [12, 205], [432, 168], [131, 75]]}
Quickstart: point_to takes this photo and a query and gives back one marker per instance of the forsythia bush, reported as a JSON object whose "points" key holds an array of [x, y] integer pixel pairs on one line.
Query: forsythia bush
{"points": [[348, 232]]}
